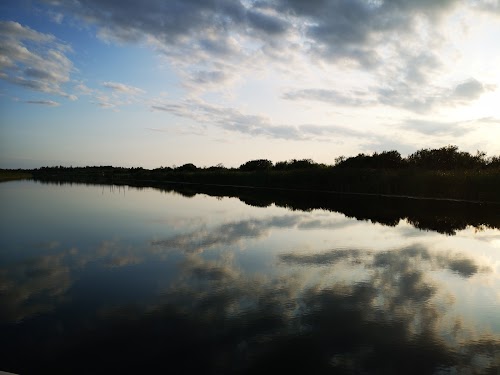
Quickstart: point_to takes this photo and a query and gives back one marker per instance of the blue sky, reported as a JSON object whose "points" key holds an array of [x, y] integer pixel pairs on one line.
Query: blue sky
{"points": [[161, 83]]}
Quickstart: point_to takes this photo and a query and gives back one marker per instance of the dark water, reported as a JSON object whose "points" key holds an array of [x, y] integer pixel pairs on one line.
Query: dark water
{"points": [[107, 279]]}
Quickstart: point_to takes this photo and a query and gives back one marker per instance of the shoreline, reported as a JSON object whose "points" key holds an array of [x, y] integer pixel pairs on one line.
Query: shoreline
{"points": [[12, 175], [436, 214], [461, 186]]}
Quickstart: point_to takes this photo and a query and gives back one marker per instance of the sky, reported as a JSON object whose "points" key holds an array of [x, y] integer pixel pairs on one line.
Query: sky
{"points": [[162, 83]]}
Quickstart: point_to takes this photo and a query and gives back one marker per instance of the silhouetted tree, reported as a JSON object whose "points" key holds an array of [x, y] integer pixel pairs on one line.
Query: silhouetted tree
{"points": [[358, 161], [187, 168], [303, 164], [387, 159], [446, 158], [340, 159], [256, 165], [493, 162], [218, 167], [296, 164]]}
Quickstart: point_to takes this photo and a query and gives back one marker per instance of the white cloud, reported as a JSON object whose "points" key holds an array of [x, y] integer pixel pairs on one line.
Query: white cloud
{"points": [[34, 60], [354, 98], [354, 57], [49, 103], [399, 43], [437, 128], [15, 31], [471, 89], [83, 89], [105, 101], [407, 95], [123, 88], [234, 120]]}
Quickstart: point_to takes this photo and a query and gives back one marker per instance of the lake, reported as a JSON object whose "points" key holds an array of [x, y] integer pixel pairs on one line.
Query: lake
{"points": [[117, 279]]}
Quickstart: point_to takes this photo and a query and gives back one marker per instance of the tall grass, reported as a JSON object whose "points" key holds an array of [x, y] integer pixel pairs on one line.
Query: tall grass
{"points": [[439, 173], [14, 174]]}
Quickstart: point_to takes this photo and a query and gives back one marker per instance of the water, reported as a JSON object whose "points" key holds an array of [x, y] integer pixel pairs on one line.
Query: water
{"points": [[103, 279]]}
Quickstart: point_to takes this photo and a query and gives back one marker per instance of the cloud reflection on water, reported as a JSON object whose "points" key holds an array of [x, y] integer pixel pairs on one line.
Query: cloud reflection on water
{"points": [[227, 234], [33, 286], [392, 315], [395, 321]]}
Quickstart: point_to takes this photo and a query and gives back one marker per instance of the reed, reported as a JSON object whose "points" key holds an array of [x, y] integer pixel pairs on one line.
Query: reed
{"points": [[14, 174]]}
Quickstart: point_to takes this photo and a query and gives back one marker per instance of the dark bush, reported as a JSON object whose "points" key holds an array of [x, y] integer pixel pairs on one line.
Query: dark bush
{"points": [[256, 165]]}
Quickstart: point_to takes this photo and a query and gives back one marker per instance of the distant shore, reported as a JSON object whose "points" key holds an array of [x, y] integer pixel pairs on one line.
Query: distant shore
{"points": [[444, 173], [437, 214], [14, 174], [470, 185]]}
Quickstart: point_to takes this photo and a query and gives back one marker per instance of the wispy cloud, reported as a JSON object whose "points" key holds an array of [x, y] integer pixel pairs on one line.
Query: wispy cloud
{"points": [[49, 103], [157, 130], [437, 128], [34, 60], [356, 98], [212, 44], [411, 97], [123, 88], [234, 120], [406, 95], [83, 89]]}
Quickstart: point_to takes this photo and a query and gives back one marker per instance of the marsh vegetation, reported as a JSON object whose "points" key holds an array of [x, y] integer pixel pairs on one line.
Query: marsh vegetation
{"points": [[14, 174], [434, 173]]}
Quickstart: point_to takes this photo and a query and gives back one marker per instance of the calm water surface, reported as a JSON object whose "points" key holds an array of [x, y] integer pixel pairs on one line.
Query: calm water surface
{"points": [[101, 279]]}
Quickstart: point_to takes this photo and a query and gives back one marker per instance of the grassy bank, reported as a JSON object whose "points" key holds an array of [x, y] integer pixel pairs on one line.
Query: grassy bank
{"points": [[472, 185], [444, 173], [14, 174], [480, 185]]}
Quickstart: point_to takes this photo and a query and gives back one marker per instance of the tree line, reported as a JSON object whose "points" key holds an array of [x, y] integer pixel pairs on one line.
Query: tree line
{"points": [[439, 173], [445, 159]]}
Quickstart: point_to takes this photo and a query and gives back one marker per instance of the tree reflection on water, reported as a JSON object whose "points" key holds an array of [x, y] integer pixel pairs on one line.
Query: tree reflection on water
{"points": [[187, 301]]}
